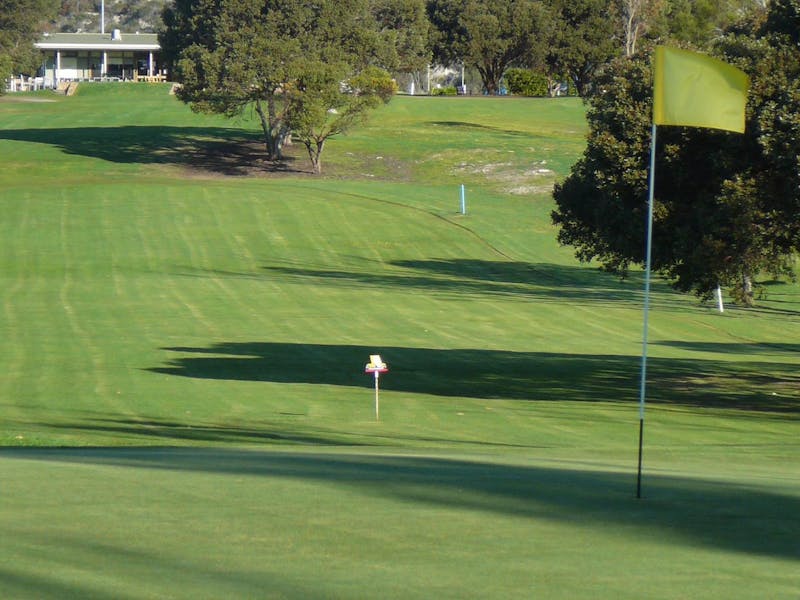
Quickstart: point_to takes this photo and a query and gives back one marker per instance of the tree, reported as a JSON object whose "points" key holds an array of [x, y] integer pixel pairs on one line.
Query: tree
{"points": [[490, 36], [20, 23], [726, 204], [322, 103], [584, 40], [240, 55], [406, 27], [698, 22], [636, 17]]}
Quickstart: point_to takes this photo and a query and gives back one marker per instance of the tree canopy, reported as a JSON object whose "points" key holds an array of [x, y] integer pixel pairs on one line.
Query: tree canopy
{"points": [[583, 41], [726, 204], [269, 56], [324, 102], [20, 23], [490, 36]]}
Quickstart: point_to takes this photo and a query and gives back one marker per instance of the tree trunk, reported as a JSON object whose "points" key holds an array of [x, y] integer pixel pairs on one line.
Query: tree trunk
{"points": [[279, 131], [553, 87], [747, 288], [315, 148], [631, 27], [267, 131], [274, 129], [490, 83]]}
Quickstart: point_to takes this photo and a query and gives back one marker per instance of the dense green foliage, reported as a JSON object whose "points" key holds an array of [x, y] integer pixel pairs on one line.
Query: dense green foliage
{"points": [[583, 40], [20, 21], [570, 40], [524, 82], [726, 204], [491, 37], [405, 25], [698, 22], [318, 108], [233, 57]]}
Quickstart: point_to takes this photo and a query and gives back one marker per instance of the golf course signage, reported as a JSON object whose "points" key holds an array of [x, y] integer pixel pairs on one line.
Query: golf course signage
{"points": [[376, 366]]}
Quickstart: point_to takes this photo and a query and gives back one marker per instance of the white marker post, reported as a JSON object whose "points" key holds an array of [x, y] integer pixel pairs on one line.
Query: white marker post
{"points": [[376, 366], [463, 200]]}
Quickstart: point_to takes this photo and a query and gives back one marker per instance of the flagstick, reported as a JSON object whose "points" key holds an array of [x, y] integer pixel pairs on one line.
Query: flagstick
{"points": [[643, 381]]}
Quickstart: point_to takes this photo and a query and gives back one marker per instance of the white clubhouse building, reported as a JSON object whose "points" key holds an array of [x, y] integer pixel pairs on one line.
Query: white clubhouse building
{"points": [[100, 56]]}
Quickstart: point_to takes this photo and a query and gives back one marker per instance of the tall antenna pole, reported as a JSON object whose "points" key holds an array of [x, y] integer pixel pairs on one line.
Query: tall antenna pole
{"points": [[102, 16]]}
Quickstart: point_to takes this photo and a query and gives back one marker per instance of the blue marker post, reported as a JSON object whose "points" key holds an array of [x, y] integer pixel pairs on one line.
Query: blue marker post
{"points": [[463, 200]]}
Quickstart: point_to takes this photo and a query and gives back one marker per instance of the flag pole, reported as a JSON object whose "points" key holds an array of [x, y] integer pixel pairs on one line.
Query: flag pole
{"points": [[648, 255], [689, 90]]}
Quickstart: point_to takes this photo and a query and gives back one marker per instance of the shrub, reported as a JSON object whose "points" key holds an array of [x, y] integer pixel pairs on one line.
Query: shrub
{"points": [[524, 82]]}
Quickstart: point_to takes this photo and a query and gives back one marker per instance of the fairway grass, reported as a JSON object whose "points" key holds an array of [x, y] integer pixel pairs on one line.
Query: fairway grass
{"points": [[351, 524], [185, 412]]}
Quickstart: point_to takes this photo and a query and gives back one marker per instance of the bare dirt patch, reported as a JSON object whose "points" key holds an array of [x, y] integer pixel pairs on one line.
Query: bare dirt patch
{"points": [[16, 98], [535, 179]]}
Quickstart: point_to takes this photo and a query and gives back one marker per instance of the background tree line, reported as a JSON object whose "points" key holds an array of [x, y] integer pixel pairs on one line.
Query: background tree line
{"points": [[557, 39]]}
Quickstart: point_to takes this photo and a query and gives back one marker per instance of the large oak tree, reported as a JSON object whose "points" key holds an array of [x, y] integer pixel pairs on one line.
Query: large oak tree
{"points": [[726, 204]]}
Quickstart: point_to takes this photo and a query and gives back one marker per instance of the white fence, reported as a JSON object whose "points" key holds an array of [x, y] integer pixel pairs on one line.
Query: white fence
{"points": [[27, 84]]}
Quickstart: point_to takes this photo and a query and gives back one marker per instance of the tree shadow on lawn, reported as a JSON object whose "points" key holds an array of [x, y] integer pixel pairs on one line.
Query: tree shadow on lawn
{"points": [[766, 348], [259, 432], [674, 510], [768, 387], [217, 150], [467, 127], [525, 280], [510, 278]]}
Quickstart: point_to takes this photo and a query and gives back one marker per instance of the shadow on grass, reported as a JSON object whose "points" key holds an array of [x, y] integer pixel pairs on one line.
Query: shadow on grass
{"points": [[766, 348], [674, 510], [167, 574], [219, 150], [170, 431], [542, 281], [495, 374], [525, 280], [264, 433], [467, 127]]}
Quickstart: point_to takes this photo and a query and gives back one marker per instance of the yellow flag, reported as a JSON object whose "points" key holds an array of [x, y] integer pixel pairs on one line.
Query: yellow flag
{"points": [[697, 90]]}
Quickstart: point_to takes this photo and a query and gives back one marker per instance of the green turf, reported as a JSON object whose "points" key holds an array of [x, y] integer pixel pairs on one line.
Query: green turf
{"points": [[184, 408]]}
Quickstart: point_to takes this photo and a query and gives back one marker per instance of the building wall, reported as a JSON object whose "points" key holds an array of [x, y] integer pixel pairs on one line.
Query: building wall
{"points": [[88, 64]]}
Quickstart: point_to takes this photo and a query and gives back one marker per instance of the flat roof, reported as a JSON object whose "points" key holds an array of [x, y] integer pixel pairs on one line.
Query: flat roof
{"points": [[98, 41]]}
